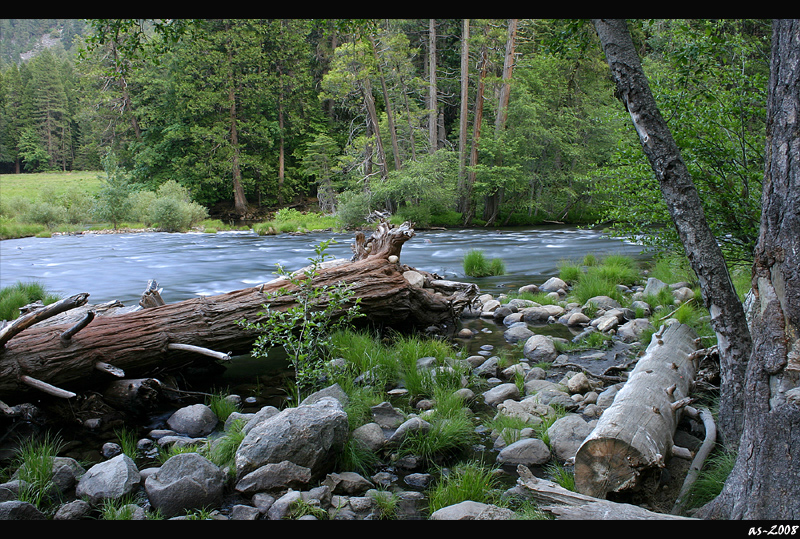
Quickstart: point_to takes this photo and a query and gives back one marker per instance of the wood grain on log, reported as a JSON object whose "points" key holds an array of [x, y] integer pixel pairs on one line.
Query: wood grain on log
{"points": [[635, 433]]}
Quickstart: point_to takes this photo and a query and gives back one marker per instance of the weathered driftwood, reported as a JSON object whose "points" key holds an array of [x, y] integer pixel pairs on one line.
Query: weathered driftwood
{"points": [[168, 336], [27, 320], [636, 432], [568, 505]]}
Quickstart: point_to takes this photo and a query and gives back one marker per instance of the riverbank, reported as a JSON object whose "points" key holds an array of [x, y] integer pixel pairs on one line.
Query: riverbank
{"points": [[507, 397]]}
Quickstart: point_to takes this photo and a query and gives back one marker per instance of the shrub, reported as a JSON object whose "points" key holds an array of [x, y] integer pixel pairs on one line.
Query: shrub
{"points": [[20, 294], [477, 265], [304, 330], [467, 481], [174, 215], [47, 214], [353, 209]]}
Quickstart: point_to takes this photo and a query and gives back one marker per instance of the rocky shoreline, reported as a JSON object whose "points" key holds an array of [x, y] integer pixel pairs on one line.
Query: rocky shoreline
{"points": [[284, 461]]}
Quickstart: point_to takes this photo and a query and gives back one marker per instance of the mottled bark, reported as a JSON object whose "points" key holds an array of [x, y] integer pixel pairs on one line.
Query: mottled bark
{"points": [[686, 209]]}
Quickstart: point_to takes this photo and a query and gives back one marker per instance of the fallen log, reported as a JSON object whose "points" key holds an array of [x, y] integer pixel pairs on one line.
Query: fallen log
{"points": [[164, 337], [567, 505], [636, 432]]}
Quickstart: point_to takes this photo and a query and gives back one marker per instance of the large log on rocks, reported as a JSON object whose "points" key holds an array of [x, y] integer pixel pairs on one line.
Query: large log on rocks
{"points": [[636, 432], [164, 337]]}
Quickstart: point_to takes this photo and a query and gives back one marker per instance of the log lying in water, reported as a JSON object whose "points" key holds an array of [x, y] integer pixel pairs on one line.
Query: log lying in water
{"points": [[142, 342], [635, 433]]}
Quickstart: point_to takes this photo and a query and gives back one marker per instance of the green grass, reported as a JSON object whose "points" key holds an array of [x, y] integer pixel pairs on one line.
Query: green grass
{"points": [[476, 264], [711, 478], [31, 185], [20, 294], [34, 463], [467, 481]]}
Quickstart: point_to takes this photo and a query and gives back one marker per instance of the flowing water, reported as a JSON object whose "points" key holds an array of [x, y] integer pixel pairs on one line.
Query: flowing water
{"points": [[118, 266]]}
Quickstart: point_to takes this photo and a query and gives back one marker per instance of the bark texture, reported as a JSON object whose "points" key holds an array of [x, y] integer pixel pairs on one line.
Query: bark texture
{"points": [[686, 210], [765, 481]]}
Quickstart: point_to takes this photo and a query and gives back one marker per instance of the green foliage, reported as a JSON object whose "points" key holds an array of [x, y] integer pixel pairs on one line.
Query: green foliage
{"points": [[34, 464], [353, 209], [20, 294], [477, 265], [709, 79], [112, 202], [304, 330], [712, 478], [467, 481]]}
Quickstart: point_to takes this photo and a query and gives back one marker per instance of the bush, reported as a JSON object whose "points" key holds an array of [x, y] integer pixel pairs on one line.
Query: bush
{"points": [[353, 209], [20, 294], [477, 265], [141, 206], [174, 215], [46, 214]]}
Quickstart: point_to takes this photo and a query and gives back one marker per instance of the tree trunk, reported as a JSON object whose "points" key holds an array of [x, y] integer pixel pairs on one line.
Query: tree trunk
{"points": [[432, 91], [476, 136], [463, 118], [765, 481], [635, 433], [686, 209], [170, 336], [388, 103]]}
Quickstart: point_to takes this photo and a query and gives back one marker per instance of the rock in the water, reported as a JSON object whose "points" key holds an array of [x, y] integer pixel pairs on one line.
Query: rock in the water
{"points": [[539, 348]]}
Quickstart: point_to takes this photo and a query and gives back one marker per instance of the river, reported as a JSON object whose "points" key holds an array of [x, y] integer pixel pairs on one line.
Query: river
{"points": [[118, 266]]}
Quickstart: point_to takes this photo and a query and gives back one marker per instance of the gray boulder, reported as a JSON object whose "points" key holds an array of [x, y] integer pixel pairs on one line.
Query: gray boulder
{"points": [[274, 476], [415, 424], [467, 510], [334, 391], [553, 284], [109, 480], [348, 483], [308, 435], [186, 481], [518, 332], [500, 393], [195, 421], [631, 330], [528, 452], [370, 436], [539, 348], [387, 416], [603, 302], [653, 286], [19, 510], [567, 434]]}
